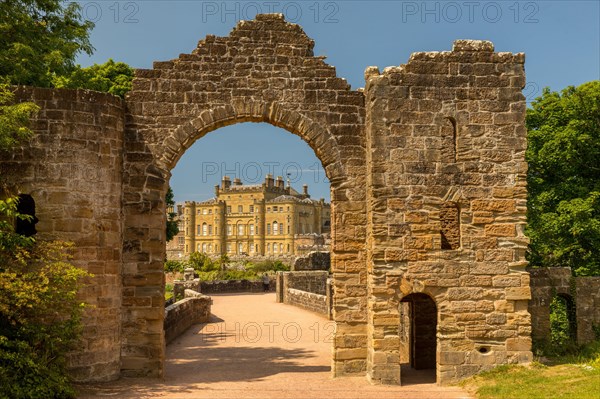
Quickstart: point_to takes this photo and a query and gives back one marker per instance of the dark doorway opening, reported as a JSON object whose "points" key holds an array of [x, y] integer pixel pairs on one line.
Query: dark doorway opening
{"points": [[418, 335], [26, 207]]}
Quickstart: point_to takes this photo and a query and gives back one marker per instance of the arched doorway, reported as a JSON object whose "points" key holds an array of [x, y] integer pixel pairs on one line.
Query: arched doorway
{"points": [[418, 335]]}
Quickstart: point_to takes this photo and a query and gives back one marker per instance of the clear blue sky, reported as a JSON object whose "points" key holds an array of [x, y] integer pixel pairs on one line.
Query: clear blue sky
{"points": [[561, 40]]}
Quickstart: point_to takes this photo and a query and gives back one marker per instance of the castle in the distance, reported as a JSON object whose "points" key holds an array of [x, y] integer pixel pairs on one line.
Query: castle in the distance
{"points": [[270, 219]]}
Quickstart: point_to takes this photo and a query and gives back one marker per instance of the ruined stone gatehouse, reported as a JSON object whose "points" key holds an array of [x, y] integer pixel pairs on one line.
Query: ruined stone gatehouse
{"points": [[427, 176]]}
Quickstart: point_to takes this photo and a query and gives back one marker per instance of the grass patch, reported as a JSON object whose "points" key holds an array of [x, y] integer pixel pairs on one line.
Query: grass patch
{"points": [[568, 377]]}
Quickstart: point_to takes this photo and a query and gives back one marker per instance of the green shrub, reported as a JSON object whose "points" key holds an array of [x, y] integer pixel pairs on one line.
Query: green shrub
{"points": [[39, 313], [201, 262], [268, 266], [172, 266]]}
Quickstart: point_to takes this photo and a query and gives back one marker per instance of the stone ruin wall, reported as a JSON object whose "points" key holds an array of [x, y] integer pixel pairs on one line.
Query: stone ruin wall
{"points": [[444, 129], [584, 292], [73, 170], [448, 128], [264, 71]]}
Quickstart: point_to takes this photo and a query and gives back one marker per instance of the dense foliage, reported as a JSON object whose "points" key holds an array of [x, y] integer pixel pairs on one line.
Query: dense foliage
{"points": [[40, 39], [111, 77], [39, 312], [563, 179], [222, 268], [14, 119]]}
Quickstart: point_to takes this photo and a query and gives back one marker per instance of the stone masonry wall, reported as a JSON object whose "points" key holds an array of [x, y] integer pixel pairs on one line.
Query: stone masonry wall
{"points": [[427, 177], [309, 281], [448, 127], [307, 300], [264, 71], [545, 283], [313, 261], [193, 309], [221, 286], [584, 292], [73, 168], [587, 303]]}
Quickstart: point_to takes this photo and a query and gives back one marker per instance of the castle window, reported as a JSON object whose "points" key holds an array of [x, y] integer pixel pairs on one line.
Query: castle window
{"points": [[198, 230], [210, 211], [229, 230], [205, 211], [275, 228], [204, 229], [198, 249], [228, 208], [251, 208], [240, 248], [275, 248], [240, 229], [251, 229], [450, 225], [281, 229], [268, 228], [268, 247], [274, 209], [210, 230], [204, 247], [180, 240], [229, 247], [210, 247], [268, 209], [281, 248], [288, 248]]}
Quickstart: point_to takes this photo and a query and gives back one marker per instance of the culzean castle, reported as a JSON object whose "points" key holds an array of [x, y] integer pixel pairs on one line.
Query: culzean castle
{"points": [[271, 219]]}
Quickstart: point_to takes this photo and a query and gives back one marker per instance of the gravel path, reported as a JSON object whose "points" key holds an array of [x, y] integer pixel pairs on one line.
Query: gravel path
{"points": [[256, 348]]}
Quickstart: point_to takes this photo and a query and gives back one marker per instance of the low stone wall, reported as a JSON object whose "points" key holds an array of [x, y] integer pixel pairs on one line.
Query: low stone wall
{"points": [[583, 292], [223, 286], [309, 290], [309, 281], [587, 304], [313, 261], [308, 300], [193, 309]]}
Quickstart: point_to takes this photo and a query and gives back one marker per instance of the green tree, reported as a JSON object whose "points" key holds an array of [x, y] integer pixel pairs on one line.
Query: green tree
{"points": [[14, 119], [172, 227], [563, 153], [111, 77], [39, 39]]}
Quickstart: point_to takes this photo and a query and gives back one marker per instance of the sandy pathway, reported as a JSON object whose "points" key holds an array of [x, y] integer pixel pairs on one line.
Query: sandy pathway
{"points": [[256, 348]]}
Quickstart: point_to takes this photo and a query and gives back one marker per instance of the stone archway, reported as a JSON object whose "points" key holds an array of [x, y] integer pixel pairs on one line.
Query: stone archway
{"points": [[264, 71], [444, 124]]}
